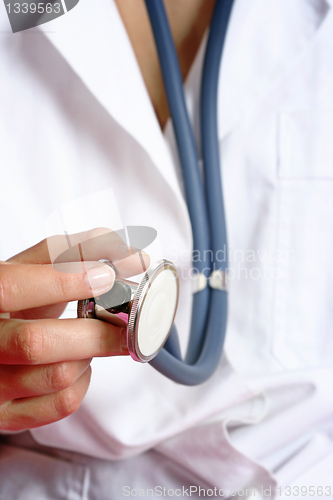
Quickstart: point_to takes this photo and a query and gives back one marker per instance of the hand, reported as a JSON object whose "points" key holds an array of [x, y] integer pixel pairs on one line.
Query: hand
{"points": [[44, 361]]}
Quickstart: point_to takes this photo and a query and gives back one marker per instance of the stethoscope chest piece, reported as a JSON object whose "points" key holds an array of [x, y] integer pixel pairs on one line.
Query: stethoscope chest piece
{"points": [[147, 309]]}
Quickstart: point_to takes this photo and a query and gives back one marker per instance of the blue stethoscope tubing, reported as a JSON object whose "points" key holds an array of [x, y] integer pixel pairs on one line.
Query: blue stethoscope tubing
{"points": [[205, 203]]}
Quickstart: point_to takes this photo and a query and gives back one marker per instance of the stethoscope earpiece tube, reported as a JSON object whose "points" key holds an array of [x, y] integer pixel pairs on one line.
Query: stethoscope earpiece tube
{"points": [[209, 129], [189, 162], [209, 313]]}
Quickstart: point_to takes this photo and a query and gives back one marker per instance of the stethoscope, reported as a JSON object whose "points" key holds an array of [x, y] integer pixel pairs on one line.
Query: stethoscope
{"points": [[148, 309]]}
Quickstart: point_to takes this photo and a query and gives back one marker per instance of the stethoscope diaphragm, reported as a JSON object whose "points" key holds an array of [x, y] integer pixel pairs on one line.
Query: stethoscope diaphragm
{"points": [[147, 309]]}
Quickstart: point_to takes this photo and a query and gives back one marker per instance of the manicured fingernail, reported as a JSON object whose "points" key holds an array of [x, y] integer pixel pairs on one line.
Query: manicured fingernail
{"points": [[100, 279]]}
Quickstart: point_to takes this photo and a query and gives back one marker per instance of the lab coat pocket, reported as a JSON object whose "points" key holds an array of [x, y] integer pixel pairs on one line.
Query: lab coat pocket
{"points": [[303, 308], [29, 475], [306, 144]]}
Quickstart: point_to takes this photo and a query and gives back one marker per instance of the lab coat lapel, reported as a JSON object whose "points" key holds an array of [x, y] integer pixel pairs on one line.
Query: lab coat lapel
{"points": [[264, 39], [93, 41]]}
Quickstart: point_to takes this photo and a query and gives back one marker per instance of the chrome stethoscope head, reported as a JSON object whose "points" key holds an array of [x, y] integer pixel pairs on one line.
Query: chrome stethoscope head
{"points": [[147, 309]]}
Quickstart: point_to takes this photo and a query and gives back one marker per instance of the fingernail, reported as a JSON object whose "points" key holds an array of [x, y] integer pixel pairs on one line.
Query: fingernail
{"points": [[84, 364], [100, 279]]}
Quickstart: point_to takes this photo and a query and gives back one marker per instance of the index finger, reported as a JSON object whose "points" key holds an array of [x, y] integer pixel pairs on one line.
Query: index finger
{"points": [[55, 340]]}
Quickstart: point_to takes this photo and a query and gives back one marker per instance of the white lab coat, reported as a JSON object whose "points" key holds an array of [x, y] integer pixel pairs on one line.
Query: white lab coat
{"points": [[76, 119]]}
